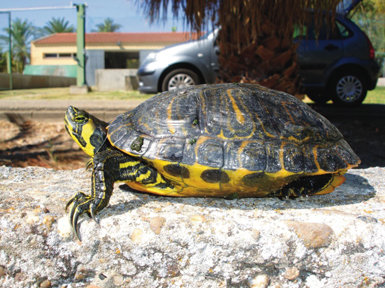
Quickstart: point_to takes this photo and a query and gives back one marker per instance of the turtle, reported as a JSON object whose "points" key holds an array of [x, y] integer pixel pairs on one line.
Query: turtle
{"points": [[227, 140]]}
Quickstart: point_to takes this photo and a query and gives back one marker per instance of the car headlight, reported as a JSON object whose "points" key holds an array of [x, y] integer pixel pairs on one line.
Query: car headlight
{"points": [[151, 56], [150, 67]]}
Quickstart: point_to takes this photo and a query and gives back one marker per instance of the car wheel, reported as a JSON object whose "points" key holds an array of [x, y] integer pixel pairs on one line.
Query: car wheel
{"points": [[318, 97], [348, 88], [179, 78]]}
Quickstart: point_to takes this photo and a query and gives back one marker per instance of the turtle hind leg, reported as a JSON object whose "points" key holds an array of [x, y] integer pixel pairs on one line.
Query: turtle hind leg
{"points": [[310, 185], [141, 176]]}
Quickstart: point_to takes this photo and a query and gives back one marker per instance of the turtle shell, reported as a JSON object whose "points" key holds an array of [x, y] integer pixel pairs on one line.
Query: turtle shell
{"points": [[224, 137]]}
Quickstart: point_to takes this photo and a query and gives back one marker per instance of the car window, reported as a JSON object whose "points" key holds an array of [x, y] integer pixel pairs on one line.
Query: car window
{"points": [[326, 32], [300, 32], [343, 30]]}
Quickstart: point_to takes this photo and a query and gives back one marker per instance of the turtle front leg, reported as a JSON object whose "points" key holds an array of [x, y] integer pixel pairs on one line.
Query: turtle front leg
{"points": [[103, 177], [110, 166]]}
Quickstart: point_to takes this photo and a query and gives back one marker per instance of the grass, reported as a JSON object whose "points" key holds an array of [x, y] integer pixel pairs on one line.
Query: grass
{"points": [[64, 94], [376, 96]]}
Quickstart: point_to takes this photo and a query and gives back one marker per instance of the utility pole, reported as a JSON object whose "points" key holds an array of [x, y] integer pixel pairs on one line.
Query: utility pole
{"points": [[80, 44], [9, 62]]}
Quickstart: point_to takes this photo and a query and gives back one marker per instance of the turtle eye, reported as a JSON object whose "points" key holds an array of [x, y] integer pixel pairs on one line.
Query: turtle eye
{"points": [[80, 118]]}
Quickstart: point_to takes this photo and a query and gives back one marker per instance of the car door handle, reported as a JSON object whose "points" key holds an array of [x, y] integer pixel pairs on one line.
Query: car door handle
{"points": [[331, 47]]}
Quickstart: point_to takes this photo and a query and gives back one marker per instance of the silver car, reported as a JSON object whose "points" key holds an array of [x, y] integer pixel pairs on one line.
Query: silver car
{"points": [[179, 65]]}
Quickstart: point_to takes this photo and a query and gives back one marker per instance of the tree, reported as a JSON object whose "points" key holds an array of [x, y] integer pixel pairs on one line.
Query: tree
{"points": [[57, 25], [3, 61], [370, 16], [256, 36], [107, 26], [22, 32]]}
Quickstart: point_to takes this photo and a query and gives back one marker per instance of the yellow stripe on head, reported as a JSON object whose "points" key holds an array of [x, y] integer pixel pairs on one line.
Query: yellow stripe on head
{"points": [[87, 131]]}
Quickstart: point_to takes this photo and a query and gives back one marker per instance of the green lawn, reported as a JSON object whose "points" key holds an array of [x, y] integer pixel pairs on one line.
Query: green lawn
{"points": [[63, 93], [376, 96]]}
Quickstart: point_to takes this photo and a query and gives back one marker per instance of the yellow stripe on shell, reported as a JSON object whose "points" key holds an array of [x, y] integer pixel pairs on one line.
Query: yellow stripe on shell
{"points": [[238, 113], [171, 128], [263, 128], [293, 139]]}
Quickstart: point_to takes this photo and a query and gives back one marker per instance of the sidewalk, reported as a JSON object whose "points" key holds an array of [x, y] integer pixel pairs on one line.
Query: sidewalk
{"points": [[53, 110]]}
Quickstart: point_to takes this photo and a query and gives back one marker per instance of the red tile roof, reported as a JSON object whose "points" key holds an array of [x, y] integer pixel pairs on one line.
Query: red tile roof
{"points": [[113, 37]]}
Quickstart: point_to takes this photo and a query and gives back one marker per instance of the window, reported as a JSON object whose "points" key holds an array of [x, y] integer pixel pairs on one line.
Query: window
{"points": [[324, 32], [121, 60], [65, 55], [59, 55], [50, 55], [344, 31]]}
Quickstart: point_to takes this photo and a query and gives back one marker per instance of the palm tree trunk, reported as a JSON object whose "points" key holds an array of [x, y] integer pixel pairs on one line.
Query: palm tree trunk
{"points": [[269, 61]]}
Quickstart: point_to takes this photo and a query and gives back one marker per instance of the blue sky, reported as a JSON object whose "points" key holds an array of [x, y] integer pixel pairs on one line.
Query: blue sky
{"points": [[124, 12]]}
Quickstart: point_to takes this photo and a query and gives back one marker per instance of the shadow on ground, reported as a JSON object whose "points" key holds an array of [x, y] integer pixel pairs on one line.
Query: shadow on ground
{"points": [[364, 129], [29, 143]]}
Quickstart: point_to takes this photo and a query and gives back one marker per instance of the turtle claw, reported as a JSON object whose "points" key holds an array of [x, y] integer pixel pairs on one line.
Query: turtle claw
{"points": [[82, 203], [93, 213], [74, 223], [89, 164]]}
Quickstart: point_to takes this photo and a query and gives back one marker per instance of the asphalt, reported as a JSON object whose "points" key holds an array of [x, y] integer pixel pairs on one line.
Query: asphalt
{"points": [[53, 110]]}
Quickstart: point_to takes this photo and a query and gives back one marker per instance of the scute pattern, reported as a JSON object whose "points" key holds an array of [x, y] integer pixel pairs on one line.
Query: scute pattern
{"points": [[210, 153], [230, 127], [333, 158], [253, 156], [293, 158]]}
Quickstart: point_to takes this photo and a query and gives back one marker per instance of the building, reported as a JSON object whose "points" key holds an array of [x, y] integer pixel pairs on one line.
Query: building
{"points": [[56, 53]]}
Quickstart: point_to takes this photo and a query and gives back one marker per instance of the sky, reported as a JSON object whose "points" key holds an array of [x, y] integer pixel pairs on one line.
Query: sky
{"points": [[123, 12]]}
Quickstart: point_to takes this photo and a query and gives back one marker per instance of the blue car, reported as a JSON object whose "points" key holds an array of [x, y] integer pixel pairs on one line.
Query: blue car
{"points": [[336, 63]]}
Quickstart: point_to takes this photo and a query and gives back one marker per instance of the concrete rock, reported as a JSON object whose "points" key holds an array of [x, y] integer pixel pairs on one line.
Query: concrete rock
{"points": [[334, 240], [313, 235], [291, 273]]}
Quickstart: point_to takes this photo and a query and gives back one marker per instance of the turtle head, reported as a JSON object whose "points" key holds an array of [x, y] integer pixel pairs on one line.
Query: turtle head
{"points": [[86, 130]]}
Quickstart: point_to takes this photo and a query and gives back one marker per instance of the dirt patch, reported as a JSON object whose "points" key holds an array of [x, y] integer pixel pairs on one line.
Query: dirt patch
{"points": [[33, 143], [47, 144]]}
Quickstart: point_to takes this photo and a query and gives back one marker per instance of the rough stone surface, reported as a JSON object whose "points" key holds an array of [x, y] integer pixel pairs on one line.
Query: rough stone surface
{"points": [[335, 240]]}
